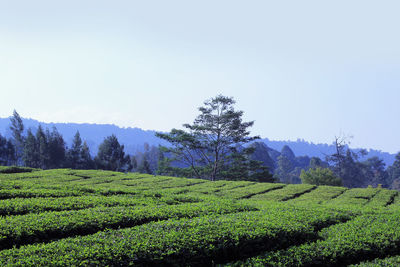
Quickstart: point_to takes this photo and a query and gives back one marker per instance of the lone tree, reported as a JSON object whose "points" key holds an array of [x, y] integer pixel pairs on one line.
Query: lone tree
{"points": [[320, 176], [213, 146]]}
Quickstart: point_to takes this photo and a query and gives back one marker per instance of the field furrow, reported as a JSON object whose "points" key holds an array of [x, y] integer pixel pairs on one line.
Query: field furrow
{"points": [[286, 193], [319, 195], [382, 199], [252, 190], [355, 196]]}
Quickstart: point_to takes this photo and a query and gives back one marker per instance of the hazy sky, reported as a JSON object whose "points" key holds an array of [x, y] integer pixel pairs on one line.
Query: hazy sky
{"points": [[300, 69]]}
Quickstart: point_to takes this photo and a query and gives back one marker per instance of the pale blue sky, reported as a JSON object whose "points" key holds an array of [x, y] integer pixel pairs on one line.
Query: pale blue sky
{"points": [[300, 69]]}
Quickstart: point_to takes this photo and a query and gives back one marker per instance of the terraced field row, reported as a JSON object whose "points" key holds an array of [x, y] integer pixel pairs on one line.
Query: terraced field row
{"points": [[100, 218], [362, 238], [200, 240]]}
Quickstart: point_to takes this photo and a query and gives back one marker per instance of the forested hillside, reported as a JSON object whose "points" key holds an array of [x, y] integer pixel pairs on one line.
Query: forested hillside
{"points": [[207, 151], [134, 138]]}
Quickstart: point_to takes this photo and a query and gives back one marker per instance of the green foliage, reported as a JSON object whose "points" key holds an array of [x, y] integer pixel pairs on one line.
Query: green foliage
{"points": [[383, 198], [25, 229], [78, 156], [72, 217], [364, 237], [44, 150], [150, 161], [212, 146], [56, 149], [288, 192], [321, 194], [320, 176], [16, 169], [201, 240], [374, 169], [388, 262], [144, 167], [31, 155], [20, 206], [355, 197], [316, 162], [242, 167], [354, 173], [249, 191], [17, 129], [74, 153], [394, 173], [7, 151], [111, 156], [284, 169]]}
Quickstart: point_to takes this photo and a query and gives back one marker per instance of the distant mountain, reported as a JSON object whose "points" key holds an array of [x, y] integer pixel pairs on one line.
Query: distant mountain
{"points": [[134, 138], [304, 148], [94, 134]]}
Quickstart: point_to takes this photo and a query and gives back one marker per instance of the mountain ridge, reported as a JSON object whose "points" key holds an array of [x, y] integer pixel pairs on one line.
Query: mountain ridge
{"points": [[133, 138]]}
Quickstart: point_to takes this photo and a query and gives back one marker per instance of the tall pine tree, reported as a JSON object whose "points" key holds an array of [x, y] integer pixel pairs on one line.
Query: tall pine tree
{"points": [[111, 156], [56, 149], [86, 158], [43, 148], [17, 130], [31, 152], [74, 154], [7, 151]]}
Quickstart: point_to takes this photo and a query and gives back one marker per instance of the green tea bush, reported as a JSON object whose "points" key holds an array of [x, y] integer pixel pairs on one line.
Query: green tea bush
{"points": [[365, 237], [196, 241], [16, 169]]}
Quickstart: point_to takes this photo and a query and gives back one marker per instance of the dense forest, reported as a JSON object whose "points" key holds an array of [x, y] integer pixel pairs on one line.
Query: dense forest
{"points": [[253, 160]]}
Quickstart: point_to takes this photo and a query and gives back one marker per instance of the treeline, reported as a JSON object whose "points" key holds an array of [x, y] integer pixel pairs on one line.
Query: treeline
{"points": [[345, 167], [47, 149], [218, 145]]}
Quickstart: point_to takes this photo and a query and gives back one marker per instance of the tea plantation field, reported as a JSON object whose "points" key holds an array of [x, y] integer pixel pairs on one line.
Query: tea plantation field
{"points": [[100, 218]]}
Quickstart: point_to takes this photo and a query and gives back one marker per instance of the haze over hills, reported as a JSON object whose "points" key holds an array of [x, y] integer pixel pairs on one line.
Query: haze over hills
{"points": [[94, 134], [134, 138], [301, 147]]}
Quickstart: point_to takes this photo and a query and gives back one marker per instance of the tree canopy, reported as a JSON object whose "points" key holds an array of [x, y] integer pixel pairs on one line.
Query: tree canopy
{"points": [[78, 156], [212, 147], [111, 156], [320, 176], [17, 130]]}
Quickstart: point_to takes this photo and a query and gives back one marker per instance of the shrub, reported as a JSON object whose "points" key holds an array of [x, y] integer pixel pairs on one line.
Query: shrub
{"points": [[320, 176]]}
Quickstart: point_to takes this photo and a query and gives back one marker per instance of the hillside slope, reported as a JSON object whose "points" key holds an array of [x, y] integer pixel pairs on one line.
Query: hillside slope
{"points": [[72, 217], [134, 138]]}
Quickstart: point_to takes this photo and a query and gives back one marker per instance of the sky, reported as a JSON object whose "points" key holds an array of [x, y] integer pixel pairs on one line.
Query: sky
{"points": [[300, 69]]}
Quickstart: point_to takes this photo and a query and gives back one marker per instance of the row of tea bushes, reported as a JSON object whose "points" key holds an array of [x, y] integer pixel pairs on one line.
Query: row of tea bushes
{"points": [[30, 228], [288, 192], [365, 237], [198, 241], [20, 206]]}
